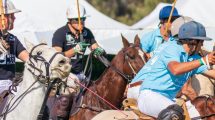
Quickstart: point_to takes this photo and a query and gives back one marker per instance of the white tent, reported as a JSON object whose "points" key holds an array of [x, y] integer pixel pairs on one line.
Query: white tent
{"points": [[152, 20], [40, 18], [201, 11], [196, 9]]}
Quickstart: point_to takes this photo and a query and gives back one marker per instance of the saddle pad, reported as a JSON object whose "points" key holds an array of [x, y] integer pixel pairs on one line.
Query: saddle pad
{"points": [[192, 110], [116, 115]]}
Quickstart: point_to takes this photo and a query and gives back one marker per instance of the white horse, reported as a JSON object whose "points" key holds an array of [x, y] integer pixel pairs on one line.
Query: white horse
{"points": [[43, 66]]}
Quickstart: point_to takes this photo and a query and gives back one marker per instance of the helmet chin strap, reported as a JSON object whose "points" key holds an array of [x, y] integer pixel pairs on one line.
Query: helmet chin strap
{"points": [[10, 22], [193, 51], [73, 30]]}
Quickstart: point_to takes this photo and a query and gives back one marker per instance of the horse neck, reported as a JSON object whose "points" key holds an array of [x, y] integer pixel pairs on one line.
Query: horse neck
{"points": [[31, 102], [29, 79], [111, 85]]}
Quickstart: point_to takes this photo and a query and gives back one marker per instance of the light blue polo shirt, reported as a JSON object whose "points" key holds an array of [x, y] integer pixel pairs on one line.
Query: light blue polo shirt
{"points": [[156, 75], [152, 40]]}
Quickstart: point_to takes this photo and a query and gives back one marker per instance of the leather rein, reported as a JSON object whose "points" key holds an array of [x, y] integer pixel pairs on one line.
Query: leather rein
{"points": [[127, 57], [126, 77]]}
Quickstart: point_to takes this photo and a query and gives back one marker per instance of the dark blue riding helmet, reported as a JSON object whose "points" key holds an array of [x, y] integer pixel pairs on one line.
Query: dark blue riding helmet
{"points": [[192, 30], [165, 12]]}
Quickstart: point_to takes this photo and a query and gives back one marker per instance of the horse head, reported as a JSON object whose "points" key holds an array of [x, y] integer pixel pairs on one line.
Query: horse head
{"points": [[45, 62], [44, 65], [134, 57]]}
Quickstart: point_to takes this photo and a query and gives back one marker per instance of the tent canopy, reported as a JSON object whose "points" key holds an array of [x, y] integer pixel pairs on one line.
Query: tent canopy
{"points": [[200, 11], [196, 9], [40, 18]]}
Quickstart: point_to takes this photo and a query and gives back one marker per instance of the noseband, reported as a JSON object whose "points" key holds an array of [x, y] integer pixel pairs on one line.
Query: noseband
{"points": [[38, 57]]}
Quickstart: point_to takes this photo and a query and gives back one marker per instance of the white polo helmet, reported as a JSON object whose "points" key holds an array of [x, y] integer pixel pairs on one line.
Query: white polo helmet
{"points": [[177, 23], [9, 7], [72, 12]]}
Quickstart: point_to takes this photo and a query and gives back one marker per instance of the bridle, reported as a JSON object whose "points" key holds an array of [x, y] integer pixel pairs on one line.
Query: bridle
{"points": [[40, 77], [127, 77], [208, 97], [127, 58]]}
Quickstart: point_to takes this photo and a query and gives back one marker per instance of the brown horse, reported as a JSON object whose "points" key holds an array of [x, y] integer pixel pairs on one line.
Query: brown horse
{"points": [[205, 104], [112, 83]]}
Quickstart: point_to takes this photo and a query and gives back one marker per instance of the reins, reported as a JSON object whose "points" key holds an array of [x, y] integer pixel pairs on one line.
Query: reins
{"points": [[42, 59], [126, 78], [107, 64], [37, 57], [100, 98], [49, 88]]}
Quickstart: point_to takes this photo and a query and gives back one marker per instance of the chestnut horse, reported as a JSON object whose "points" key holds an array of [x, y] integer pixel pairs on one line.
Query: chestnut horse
{"points": [[205, 104], [112, 83]]}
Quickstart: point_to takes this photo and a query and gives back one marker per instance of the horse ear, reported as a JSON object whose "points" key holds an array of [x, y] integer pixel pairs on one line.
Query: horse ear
{"points": [[125, 41], [137, 40], [43, 41], [28, 45]]}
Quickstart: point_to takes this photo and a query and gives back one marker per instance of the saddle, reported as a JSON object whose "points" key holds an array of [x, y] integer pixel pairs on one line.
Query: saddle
{"points": [[3, 95], [130, 104], [181, 102]]}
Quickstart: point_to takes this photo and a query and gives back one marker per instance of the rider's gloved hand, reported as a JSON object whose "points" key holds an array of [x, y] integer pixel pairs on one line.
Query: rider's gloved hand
{"points": [[99, 51], [80, 47]]}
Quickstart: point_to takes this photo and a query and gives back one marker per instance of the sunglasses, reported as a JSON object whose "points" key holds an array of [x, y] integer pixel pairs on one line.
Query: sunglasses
{"points": [[76, 19], [195, 42]]}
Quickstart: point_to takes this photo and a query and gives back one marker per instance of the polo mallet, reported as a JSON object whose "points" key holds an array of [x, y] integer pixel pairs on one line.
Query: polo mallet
{"points": [[2, 15], [3, 46], [170, 17], [79, 22]]}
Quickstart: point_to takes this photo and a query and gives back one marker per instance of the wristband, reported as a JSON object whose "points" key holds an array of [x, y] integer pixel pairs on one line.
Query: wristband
{"points": [[201, 62], [207, 62]]}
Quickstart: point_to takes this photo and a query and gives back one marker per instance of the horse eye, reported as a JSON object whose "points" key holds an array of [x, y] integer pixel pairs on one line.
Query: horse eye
{"points": [[131, 56], [39, 53]]}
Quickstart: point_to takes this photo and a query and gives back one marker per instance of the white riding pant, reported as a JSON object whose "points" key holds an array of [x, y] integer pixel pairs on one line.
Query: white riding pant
{"points": [[152, 103], [4, 85], [133, 92]]}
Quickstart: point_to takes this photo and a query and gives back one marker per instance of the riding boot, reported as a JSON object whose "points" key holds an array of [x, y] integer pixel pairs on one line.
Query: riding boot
{"points": [[63, 107]]}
